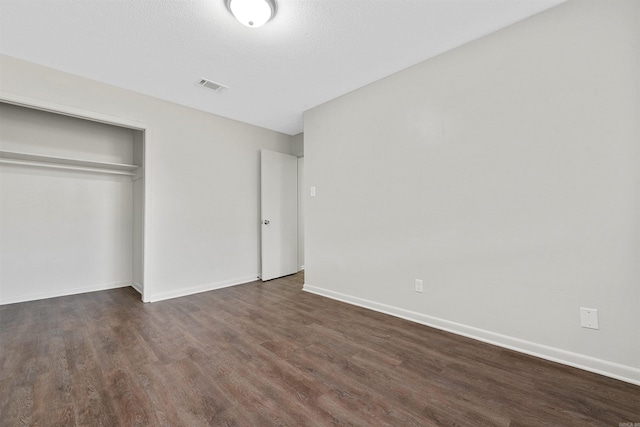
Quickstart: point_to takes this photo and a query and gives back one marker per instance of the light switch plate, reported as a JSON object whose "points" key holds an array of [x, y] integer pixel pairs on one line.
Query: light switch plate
{"points": [[312, 192]]}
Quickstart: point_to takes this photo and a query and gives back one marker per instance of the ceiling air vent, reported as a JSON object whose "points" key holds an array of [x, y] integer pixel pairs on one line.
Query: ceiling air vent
{"points": [[212, 85]]}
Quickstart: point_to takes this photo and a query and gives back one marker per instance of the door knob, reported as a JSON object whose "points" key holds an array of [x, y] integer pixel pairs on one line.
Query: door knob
{"points": [[266, 222]]}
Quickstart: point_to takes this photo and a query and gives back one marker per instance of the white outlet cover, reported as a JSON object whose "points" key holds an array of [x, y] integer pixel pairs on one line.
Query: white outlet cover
{"points": [[418, 285], [589, 318]]}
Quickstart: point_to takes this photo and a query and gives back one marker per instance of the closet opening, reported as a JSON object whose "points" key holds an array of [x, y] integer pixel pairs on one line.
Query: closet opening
{"points": [[72, 201]]}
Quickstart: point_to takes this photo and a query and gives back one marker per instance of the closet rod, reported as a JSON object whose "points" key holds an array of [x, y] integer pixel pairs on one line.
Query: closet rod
{"points": [[64, 166]]}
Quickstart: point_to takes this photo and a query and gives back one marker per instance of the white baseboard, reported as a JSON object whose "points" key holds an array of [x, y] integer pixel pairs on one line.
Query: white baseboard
{"points": [[202, 288], [62, 292], [576, 360], [137, 286]]}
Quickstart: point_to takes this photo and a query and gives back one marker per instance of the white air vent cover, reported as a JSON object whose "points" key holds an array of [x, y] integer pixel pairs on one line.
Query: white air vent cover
{"points": [[212, 85]]}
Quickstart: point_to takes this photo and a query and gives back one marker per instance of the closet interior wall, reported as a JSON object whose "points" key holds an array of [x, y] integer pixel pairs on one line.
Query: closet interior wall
{"points": [[71, 205]]}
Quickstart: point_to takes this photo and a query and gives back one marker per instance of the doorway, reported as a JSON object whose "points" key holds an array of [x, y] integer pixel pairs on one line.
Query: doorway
{"points": [[73, 201]]}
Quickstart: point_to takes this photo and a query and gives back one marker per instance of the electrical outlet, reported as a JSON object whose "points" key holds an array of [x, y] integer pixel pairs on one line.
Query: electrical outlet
{"points": [[418, 285], [589, 318]]}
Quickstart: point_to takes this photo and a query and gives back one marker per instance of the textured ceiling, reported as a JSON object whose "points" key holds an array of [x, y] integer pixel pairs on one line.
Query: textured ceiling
{"points": [[311, 52]]}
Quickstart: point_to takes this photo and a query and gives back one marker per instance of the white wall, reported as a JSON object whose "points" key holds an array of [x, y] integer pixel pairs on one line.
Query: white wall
{"points": [[505, 175], [202, 174], [63, 232], [297, 145]]}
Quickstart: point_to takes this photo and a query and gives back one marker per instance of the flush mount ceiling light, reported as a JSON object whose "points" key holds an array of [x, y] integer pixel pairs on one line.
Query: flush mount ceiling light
{"points": [[252, 13]]}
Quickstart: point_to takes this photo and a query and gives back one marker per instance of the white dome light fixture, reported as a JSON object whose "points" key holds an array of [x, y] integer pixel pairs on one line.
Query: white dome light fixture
{"points": [[252, 13]]}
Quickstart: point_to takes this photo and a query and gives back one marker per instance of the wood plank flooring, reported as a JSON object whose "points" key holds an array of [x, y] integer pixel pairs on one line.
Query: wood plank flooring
{"points": [[270, 354]]}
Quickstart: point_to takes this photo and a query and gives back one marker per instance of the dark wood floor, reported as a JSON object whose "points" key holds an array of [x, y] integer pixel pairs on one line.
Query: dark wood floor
{"points": [[270, 354]]}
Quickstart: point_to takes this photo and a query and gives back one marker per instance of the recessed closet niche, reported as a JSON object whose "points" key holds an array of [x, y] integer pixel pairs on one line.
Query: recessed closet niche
{"points": [[71, 205]]}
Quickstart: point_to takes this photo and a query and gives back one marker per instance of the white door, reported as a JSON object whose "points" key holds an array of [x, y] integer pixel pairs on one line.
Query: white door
{"points": [[279, 205]]}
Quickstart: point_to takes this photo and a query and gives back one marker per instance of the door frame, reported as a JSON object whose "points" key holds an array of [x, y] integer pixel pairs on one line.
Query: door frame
{"points": [[51, 107]]}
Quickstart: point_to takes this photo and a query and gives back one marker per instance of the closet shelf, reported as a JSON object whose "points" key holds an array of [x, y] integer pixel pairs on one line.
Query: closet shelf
{"points": [[28, 159]]}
